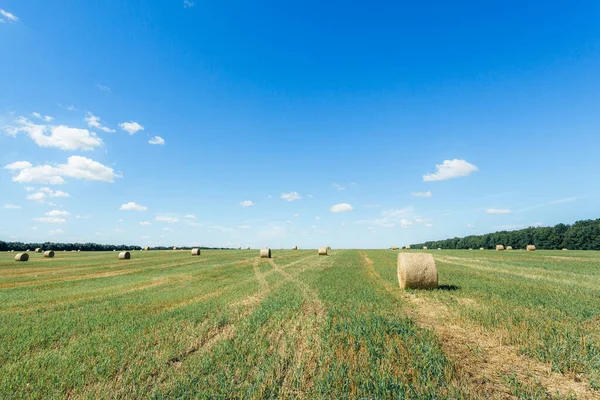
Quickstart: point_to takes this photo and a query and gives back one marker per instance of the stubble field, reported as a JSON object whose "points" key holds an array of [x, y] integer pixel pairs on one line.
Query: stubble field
{"points": [[227, 324]]}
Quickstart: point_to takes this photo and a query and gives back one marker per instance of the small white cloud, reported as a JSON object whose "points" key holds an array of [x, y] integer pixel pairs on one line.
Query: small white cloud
{"points": [[132, 206], [168, 229], [29, 188], [55, 232], [82, 216], [19, 165], [244, 227], [54, 193], [289, 222], [9, 16], [296, 215], [94, 122], [188, 4], [450, 169], [497, 211], [144, 223], [157, 140], [246, 203], [131, 127], [71, 108], [428, 225], [34, 228], [76, 167], [310, 196], [164, 218], [342, 207], [421, 194], [291, 196], [39, 197], [61, 136], [12, 207], [189, 216], [567, 200], [317, 218], [57, 213], [338, 187], [104, 88], [470, 226], [51, 220], [118, 230], [404, 223]]}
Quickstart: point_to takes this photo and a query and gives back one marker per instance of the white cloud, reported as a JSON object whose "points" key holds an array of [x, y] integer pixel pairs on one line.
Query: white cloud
{"points": [[71, 108], [144, 223], [188, 4], [567, 200], [497, 211], [57, 213], [9, 16], [310, 196], [82, 216], [189, 216], [51, 220], [34, 228], [104, 88], [46, 118], [291, 196], [12, 207], [470, 226], [246, 203], [132, 206], [76, 167], [29, 188], [421, 194], [450, 169], [94, 122], [131, 127], [244, 227], [156, 140], [342, 207], [296, 215], [55, 232], [338, 187], [61, 136], [405, 223], [164, 218], [317, 218], [39, 197], [54, 193], [391, 218]]}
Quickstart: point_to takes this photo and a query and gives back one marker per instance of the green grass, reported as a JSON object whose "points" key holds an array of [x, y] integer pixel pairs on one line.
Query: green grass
{"points": [[230, 325]]}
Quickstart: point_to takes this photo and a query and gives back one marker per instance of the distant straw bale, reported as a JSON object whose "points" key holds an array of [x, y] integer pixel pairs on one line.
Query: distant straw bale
{"points": [[265, 253], [21, 257], [49, 254], [195, 252], [530, 247], [124, 255], [417, 271], [322, 251], [509, 248], [38, 250], [294, 247], [424, 247], [499, 247]]}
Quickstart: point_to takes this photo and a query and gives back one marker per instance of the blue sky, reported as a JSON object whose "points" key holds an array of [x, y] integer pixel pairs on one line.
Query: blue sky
{"points": [[295, 123]]}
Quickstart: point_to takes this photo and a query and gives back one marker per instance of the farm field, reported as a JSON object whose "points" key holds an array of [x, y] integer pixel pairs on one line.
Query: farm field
{"points": [[228, 324]]}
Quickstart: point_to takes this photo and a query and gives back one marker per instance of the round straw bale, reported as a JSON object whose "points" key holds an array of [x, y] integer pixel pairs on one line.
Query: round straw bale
{"points": [[565, 249], [195, 252], [322, 251], [294, 247], [424, 247], [394, 247], [265, 253], [146, 248], [49, 253], [417, 271], [38, 250], [174, 247], [499, 247], [439, 248], [407, 247], [481, 248], [509, 248], [21, 257], [530, 247], [124, 255]]}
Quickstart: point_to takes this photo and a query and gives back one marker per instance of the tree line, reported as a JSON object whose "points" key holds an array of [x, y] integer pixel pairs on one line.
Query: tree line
{"points": [[21, 246], [582, 235]]}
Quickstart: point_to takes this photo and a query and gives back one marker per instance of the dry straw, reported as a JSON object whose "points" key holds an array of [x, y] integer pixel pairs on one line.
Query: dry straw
{"points": [[195, 252], [49, 254], [265, 253], [530, 247], [322, 251], [417, 271], [124, 255], [174, 247], [407, 247], [21, 257], [509, 248], [394, 247], [295, 248], [565, 249], [38, 250], [499, 247], [146, 248], [481, 248], [424, 247]]}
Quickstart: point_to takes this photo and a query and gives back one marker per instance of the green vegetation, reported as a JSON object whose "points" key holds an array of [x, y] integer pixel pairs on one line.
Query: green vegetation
{"points": [[230, 325], [582, 235]]}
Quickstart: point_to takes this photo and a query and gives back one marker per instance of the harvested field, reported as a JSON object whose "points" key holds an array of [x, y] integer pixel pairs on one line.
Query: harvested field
{"points": [[232, 325]]}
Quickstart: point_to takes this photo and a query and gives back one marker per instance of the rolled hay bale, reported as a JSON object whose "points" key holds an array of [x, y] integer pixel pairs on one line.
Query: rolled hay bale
{"points": [[78, 250], [407, 247], [21, 257], [265, 253], [195, 252], [417, 271], [174, 247], [124, 255], [38, 250], [509, 248], [146, 248], [530, 247], [323, 251], [481, 248], [394, 247], [73, 251], [565, 249], [470, 248], [499, 247], [294, 247], [28, 250], [439, 248], [49, 253], [424, 247]]}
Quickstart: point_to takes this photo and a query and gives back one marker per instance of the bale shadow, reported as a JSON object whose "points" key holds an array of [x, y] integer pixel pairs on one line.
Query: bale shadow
{"points": [[450, 288]]}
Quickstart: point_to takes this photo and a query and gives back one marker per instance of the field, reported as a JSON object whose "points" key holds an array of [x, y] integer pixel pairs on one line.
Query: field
{"points": [[227, 324]]}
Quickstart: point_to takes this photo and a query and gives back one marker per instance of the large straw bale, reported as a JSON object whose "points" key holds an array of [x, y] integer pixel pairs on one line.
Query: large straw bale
{"points": [[124, 255], [424, 247], [265, 253], [38, 250], [481, 248], [530, 247], [417, 271], [322, 251], [195, 252], [394, 247], [407, 247], [146, 248], [174, 247], [294, 247], [565, 249], [499, 247], [49, 253], [21, 257], [509, 248]]}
